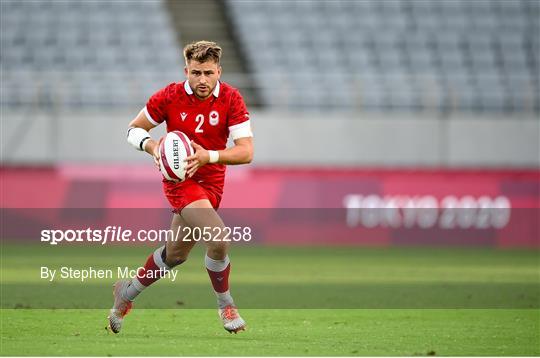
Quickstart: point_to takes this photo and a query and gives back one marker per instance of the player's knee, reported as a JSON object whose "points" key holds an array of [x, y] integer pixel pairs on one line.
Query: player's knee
{"points": [[173, 259], [217, 250]]}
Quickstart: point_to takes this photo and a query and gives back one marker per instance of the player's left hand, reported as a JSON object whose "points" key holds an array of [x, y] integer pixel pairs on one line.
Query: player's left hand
{"points": [[197, 160]]}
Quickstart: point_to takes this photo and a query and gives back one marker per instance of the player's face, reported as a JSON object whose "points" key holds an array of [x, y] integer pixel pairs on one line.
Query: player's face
{"points": [[202, 77]]}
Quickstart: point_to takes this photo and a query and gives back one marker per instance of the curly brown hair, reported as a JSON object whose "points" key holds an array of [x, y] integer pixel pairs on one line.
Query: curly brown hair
{"points": [[202, 51]]}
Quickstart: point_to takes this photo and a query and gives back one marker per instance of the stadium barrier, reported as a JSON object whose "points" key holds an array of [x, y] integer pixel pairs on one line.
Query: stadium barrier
{"points": [[308, 206]]}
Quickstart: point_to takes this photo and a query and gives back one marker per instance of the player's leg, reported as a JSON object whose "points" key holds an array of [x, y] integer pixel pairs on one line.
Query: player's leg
{"points": [[201, 214], [164, 258]]}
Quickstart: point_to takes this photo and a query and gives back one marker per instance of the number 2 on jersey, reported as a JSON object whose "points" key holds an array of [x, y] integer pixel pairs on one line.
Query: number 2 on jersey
{"points": [[199, 119]]}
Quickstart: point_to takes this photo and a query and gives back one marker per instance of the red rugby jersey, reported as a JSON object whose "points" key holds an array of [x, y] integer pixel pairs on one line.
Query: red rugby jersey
{"points": [[207, 122]]}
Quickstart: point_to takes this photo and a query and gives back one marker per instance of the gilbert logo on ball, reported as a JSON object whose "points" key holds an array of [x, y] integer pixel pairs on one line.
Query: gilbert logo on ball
{"points": [[173, 149]]}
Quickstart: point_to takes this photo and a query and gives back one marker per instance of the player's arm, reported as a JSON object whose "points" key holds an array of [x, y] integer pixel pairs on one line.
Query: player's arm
{"points": [[240, 153], [239, 130], [139, 136]]}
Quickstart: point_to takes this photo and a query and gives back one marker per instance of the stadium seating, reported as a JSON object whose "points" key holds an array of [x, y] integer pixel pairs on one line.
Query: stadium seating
{"points": [[371, 55], [85, 53], [413, 55]]}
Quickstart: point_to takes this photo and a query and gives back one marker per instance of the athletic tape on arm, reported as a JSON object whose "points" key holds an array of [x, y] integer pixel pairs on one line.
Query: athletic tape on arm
{"points": [[241, 130], [137, 137]]}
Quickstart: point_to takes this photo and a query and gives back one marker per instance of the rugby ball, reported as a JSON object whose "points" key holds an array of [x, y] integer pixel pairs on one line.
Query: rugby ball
{"points": [[174, 148]]}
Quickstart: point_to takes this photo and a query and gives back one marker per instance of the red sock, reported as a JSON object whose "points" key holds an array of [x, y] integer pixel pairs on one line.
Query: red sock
{"points": [[220, 280], [218, 270], [153, 269]]}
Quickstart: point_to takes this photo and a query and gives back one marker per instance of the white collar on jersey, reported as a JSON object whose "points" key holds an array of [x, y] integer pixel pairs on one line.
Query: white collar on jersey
{"points": [[190, 91]]}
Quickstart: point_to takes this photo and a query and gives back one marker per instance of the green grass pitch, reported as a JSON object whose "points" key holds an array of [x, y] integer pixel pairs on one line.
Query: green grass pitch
{"points": [[297, 302]]}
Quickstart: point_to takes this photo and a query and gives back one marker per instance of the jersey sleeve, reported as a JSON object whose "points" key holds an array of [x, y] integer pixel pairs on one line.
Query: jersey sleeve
{"points": [[239, 122], [155, 109]]}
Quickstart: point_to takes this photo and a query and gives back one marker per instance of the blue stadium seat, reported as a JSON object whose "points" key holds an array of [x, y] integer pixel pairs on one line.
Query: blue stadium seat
{"points": [[60, 42], [477, 55]]}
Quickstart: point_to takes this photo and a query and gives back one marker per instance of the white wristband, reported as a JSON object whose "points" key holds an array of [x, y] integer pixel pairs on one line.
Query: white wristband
{"points": [[214, 156], [137, 137]]}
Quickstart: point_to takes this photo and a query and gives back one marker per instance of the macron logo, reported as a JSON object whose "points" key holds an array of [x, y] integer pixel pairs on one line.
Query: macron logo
{"points": [[183, 115], [220, 279]]}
